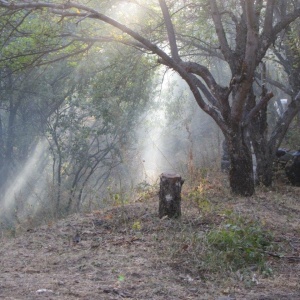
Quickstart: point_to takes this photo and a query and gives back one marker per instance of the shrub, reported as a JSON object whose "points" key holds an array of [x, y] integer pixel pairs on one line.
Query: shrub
{"points": [[239, 243]]}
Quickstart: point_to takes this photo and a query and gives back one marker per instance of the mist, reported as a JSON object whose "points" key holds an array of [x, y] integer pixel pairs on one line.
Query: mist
{"points": [[81, 166], [25, 194], [89, 129], [95, 151]]}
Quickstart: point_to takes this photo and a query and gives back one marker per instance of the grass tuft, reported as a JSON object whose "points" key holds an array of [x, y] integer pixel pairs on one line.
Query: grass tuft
{"points": [[238, 243]]}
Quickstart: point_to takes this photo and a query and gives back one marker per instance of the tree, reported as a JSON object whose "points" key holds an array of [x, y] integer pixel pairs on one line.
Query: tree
{"points": [[89, 130], [265, 139], [28, 98], [29, 94], [86, 113], [243, 33]]}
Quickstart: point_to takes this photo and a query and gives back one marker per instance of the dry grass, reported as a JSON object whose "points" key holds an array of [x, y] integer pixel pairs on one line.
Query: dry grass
{"points": [[127, 252]]}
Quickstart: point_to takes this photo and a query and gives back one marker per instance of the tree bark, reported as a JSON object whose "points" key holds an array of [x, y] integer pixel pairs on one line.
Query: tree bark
{"points": [[293, 169], [170, 195], [225, 161], [264, 167], [241, 167]]}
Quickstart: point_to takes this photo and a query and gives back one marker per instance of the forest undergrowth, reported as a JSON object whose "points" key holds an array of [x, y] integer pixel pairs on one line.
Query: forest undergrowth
{"points": [[223, 247]]}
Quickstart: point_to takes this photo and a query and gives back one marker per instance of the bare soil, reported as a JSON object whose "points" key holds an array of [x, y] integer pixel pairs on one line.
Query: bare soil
{"points": [[125, 253]]}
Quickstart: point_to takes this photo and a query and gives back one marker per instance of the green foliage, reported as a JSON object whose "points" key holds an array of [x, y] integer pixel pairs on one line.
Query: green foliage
{"points": [[137, 225], [143, 186], [238, 243], [146, 190], [91, 131], [121, 277], [116, 198], [35, 38], [122, 88], [199, 197]]}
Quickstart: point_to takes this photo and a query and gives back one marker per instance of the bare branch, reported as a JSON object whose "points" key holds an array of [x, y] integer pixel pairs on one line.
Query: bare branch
{"points": [[258, 9], [192, 81], [38, 52], [64, 10], [15, 28], [205, 74], [170, 30], [268, 24], [220, 31], [192, 41], [284, 122], [266, 41], [255, 110], [276, 84], [252, 39]]}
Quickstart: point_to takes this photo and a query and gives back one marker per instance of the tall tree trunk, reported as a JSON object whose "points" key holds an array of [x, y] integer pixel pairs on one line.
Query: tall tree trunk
{"points": [[259, 135], [264, 168], [263, 153], [241, 167]]}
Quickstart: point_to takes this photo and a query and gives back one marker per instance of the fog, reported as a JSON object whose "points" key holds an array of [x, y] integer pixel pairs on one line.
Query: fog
{"points": [[90, 129], [172, 135], [94, 154], [24, 196]]}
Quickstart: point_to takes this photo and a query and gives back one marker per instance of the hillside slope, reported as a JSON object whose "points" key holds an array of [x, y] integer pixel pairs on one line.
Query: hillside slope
{"points": [[127, 252]]}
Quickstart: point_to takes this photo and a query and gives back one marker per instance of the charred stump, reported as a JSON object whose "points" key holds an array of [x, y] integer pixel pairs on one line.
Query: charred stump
{"points": [[170, 195]]}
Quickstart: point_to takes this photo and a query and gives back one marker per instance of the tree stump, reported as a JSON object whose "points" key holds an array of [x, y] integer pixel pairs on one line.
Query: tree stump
{"points": [[170, 195]]}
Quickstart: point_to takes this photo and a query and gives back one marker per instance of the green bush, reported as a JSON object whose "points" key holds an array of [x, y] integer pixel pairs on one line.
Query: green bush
{"points": [[239, 243]]}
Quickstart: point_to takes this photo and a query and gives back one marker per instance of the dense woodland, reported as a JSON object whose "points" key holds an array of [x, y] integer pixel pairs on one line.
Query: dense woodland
{"points": [[79, 80]]}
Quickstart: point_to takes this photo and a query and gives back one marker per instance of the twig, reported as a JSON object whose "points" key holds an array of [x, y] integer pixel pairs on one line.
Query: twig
{"points": [[289, 258]]}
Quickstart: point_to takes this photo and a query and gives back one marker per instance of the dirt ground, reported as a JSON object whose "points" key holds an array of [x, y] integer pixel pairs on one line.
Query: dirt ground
{"points": [[119, 253]]}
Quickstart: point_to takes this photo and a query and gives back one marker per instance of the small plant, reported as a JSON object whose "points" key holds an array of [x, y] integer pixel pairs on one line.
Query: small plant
{"points": [[235, 245], [121, 277], [143, 186], [145, 190], [199, 197], [136, 225], [239, 243], [116, 198]]}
